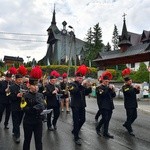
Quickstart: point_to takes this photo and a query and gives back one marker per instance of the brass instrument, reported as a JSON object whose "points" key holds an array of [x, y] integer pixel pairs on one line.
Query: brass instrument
{"points": [[23, 103], [7, 90]]}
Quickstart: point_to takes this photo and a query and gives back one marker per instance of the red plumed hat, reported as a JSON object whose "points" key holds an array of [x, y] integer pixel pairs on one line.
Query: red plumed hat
{"points": [[125, 74], [106, 75], [12, 70], [35, 74], [82, 70], [22, 70], [54, 74], [64, 75]]}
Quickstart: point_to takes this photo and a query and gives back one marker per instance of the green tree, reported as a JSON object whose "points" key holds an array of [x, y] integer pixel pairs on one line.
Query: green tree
{"points": [[1, 63], [115, 38], [108, 47], [89, 46], [142, 75]]}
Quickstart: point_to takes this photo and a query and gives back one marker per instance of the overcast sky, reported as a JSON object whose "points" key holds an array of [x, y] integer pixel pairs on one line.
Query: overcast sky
{"points": [[34, 17]]}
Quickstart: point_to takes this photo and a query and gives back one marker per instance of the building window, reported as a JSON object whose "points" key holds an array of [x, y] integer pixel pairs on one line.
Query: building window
{"points": [[133, 65]]}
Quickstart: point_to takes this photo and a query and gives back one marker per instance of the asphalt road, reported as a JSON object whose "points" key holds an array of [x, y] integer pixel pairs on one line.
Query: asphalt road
{"points": [[62, 139]]}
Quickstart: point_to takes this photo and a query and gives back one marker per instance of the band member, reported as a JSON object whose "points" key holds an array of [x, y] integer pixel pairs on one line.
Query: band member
{"points": [[65, 92], [105, 95], [32, 122], [16, 97], [51, 94], [130, 100], [5, 98], [98, 114], [78, 91]]}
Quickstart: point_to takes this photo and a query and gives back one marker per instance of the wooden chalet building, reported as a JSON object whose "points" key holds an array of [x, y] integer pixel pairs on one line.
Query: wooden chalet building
{"points": [[133, 49], [10, 61]]}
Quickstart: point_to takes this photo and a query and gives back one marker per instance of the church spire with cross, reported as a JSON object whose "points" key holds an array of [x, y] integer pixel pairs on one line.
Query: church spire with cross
{"points": [[124, 40], [54, 17]]}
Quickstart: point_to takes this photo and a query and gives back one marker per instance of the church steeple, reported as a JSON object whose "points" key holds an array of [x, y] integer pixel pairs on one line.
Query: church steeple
{"points": [[124, 40], [124, 29], [54, 18]]}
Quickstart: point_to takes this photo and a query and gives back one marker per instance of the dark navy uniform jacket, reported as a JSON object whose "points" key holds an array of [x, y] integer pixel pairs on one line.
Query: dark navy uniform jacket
{"points": [[130, 100], [34, 107], [78, 93], [3, 98], [51, 99], [15, 101], [105, 97]]}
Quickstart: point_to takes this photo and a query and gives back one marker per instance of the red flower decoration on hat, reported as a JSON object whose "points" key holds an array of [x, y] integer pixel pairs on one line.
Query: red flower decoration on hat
{"points": [[55, 74], [36, 72], [82, 70], [12, 70], [64, 75], [22, 70], [126, 72], [108, 74]]}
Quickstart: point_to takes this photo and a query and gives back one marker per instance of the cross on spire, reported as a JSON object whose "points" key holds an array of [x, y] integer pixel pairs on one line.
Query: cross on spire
{"points": [[124, 16]]}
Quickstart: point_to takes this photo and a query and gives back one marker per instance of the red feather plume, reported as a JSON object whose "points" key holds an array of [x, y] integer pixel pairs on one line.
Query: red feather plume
{"points": [[36, 72], [22, 70], [55, 74], [108, 74], [64, 75], [12, 70], [126, 72], [82, 70]]}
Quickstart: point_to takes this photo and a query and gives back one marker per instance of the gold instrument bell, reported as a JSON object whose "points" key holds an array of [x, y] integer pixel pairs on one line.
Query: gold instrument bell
{"points": [[23, 103]]}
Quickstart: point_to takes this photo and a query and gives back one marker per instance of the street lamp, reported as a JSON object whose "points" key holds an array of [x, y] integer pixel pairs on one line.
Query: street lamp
{"points": [[28, 58]]}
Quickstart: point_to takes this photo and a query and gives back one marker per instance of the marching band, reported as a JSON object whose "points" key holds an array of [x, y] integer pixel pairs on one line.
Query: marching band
{"points": [[31, 98]]}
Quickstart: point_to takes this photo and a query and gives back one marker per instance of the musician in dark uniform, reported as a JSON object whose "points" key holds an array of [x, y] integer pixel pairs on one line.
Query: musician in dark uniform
{"points": [[78, 91], [51, 94], [17, 113], [5, 99], [105, 94], [130, 101], [34, 105], [65, 93]]}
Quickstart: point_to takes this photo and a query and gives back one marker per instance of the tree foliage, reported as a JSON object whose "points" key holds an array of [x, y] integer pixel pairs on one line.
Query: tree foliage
{"points": [[142, 75], [93, 44], [115, 38]]}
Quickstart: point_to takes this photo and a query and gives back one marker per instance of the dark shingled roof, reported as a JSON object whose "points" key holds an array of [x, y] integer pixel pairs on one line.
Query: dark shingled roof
{"points": [[13, 58], [133, 50]]}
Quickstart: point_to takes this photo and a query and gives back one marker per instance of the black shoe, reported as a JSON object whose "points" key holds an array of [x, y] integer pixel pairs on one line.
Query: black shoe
{"points": [[78, 142], [68, 111], [55, 127], [98, 132], [96, 120], [131, 133], [72, 131], [6, 127], [128, 129], [50, 129], [16, 140], [108, 136]]}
